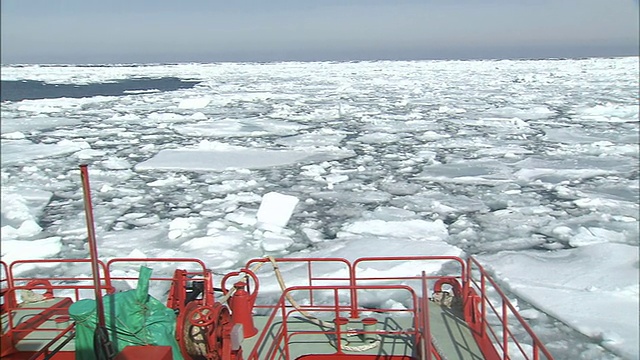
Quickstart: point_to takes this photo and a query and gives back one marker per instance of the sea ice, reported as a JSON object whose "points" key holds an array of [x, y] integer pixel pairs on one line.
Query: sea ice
{"points": [[424, 157], [197, 103], [30, 249], [276, 210], [591, 288]]}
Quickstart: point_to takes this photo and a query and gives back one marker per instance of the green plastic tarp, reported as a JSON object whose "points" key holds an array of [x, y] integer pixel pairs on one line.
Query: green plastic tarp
{"points": [[131, 317]]}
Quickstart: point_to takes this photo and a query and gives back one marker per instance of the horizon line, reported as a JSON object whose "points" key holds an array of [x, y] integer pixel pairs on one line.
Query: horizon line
{"points": [[508, 58]]}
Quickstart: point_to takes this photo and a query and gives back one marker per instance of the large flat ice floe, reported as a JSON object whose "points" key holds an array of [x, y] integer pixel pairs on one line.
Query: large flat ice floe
{"points": [[23, 151], [239, 128], [218, 158], [590, 288]]}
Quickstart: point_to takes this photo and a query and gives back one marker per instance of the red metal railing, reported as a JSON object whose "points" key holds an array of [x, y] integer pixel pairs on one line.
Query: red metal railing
{"points": [[359, 279], [494, 320], [62, 290], [312, 279], [199, 264], [423, 341], [61, 284], [67, 288], [413, 263], [21, 321], [5, 279], [198, 268], [487, 309], [5, 283], [274, 341], [173, 277]]}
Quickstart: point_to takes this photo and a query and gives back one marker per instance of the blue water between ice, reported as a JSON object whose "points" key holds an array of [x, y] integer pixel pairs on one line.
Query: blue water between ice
{"points": [[12, 90]]}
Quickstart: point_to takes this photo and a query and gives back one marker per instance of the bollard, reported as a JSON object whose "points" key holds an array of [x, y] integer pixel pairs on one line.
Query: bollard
{"points": [[370, 329], [341, 327]]}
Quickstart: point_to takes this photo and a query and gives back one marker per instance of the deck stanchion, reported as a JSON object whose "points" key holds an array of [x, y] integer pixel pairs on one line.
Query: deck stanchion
{"points": [[505, 330], [353, 292], [483, 295], [425, 317]]}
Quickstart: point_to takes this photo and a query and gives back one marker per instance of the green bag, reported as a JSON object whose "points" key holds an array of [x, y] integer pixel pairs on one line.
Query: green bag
{"points": [[131, 317]]}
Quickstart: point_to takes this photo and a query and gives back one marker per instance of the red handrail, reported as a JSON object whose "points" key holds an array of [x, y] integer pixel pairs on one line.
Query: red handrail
{"points": [[311, 278], [200, 263], [474, 278], [105, 284], [5, 278], [18, 324], [355, 282], [46, 349], [507, 309], [425, 335], [402, 259], [280, 340]]}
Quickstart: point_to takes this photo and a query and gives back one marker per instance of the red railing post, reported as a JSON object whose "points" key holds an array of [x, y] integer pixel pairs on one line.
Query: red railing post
{"points": [[9, 298], [505, 331], [285, 330], [310, 282], [354, 294], [425, 318], [483, 304]]}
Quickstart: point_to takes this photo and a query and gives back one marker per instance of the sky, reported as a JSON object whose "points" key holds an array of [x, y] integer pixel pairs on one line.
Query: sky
{"points": [[161, 31]]}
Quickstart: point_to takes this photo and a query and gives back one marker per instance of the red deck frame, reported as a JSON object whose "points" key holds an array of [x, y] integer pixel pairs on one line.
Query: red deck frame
{"points": [[497, 342]]}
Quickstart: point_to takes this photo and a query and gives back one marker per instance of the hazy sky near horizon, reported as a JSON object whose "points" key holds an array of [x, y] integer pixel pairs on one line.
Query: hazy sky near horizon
{"points": [[123, 31]]}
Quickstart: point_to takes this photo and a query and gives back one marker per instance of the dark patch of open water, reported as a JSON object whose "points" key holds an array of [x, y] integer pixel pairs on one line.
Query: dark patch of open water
{"points": [[12, 90]]}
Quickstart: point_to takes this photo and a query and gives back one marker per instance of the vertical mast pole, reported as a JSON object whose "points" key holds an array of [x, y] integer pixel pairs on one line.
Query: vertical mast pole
{"points": [[93, 247]]}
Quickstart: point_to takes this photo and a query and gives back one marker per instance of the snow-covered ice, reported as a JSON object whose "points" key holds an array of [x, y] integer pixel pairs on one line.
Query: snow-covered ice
{"points": [[593, 287], [276, 209], [530, 165]]}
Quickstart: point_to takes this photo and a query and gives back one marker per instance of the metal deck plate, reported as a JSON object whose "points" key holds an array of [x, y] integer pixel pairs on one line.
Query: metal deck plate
{"points": [[49, 328], [451, 336]]}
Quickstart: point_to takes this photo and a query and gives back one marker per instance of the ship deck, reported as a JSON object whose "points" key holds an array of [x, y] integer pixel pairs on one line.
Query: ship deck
{"points": [[51, 319], [451, 336]]}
